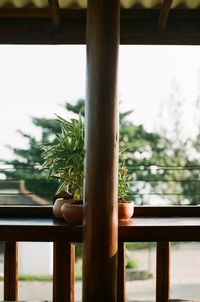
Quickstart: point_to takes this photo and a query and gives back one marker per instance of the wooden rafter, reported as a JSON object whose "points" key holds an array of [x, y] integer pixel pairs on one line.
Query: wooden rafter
{"points": [[55, 12], [33, 26], [164, 12]]}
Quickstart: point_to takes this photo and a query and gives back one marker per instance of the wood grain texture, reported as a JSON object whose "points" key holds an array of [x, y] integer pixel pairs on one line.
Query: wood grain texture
{"points": [[10, 271], [137, 229], [35, 229], [63, 272], [162, 271], [121, 273], [101, 217], [160, 229]]}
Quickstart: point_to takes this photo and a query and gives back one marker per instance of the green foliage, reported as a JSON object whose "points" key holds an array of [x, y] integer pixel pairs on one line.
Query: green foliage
{"points": [[123, 181], [32, 278], [140, 245], [65, 157], [185, 146], [147, 156], [26, 162], [132, 263]]}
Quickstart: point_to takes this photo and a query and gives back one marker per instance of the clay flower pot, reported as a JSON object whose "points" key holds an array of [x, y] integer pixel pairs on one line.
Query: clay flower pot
{"points": [[125, 210], [59, 202], [72, 213]]}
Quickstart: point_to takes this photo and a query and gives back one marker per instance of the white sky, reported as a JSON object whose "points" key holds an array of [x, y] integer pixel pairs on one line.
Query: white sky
{"points": [[36, 80]]}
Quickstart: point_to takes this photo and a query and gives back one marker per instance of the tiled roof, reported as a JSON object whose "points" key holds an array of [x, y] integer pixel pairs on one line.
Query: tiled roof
{"points": [[81, 4], [14, 200], [15, 193]]}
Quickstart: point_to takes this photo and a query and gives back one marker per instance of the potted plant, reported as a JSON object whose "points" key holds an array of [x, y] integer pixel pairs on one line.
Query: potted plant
{"points": [[125, 208], [65, 159]]}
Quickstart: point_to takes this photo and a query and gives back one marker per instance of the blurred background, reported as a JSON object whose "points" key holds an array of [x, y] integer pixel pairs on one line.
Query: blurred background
{"points": [[159, 96]]}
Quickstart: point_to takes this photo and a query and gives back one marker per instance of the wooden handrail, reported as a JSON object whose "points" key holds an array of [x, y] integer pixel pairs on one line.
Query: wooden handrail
{"points": [[139, 211], [140, 229], [167, 211], [26, 211]]}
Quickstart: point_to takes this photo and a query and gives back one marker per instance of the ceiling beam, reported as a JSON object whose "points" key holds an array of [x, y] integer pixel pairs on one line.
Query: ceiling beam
{"points": [[164, 12], [137, 27], [55, 12]]}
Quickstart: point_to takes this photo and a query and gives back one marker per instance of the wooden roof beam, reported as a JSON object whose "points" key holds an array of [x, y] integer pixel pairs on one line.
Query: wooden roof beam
{"points": [[164, 12], [55, 12], [31, 26]]}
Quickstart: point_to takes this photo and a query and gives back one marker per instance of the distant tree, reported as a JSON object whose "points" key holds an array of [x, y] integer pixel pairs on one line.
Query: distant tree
{"points": [[191, 183], [184, 145], [146, 156], [26, 162]]}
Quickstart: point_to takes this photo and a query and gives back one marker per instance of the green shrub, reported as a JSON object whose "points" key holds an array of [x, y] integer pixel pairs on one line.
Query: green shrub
{"points": [[132, 263]]}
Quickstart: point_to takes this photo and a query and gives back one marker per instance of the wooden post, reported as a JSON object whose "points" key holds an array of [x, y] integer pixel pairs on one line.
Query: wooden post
{"points": [[121, 276], [10, 271], [63, 272], [162, 271], [101, 223]]}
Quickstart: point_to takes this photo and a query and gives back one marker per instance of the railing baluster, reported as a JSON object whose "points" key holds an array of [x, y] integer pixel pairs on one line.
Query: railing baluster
{"points": [[10, 271], [121, 274], [63, 272], [162, 272]]}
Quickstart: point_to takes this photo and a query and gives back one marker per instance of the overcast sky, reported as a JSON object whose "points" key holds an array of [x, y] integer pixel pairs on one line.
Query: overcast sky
{"points": [[37, 80]]}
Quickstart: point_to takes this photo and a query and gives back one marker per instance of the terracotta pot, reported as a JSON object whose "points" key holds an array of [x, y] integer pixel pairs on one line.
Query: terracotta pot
{"points": [[125, 210], [72, 213], [58, 204]]}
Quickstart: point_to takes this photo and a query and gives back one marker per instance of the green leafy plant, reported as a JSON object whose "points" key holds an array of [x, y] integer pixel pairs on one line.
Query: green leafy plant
{"points": [[123, 182], [65, 159]]}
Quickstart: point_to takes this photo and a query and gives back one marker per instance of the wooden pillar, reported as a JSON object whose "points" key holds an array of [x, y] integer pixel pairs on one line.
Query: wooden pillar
{"points": [[162, 271], [121, 278], [63, 272], [10, 271], [101, 223]]}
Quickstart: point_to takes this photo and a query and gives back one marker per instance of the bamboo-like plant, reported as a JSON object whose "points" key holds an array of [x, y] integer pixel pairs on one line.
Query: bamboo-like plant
{"points": [[65, 159], [123, 182]]}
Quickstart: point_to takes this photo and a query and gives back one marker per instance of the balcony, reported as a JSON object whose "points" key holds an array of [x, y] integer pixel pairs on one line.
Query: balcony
{"points": [[160, 225], [51, 25]]}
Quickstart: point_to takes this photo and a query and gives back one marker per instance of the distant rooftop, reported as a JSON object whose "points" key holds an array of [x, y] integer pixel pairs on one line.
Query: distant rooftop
{"points": [[15, 193]]}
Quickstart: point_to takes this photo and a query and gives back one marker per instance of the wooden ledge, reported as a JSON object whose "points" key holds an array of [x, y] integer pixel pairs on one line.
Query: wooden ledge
{"points": [[183, 300], [137, 229]]}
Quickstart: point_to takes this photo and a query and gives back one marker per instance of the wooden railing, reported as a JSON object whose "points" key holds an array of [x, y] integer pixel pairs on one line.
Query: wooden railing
{"points": [[161, 228]]}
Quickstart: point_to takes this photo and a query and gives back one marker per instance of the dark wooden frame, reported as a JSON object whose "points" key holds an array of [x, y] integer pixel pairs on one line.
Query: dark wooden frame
{"points": [[139, 211], [138, 26], [36, 229]]}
